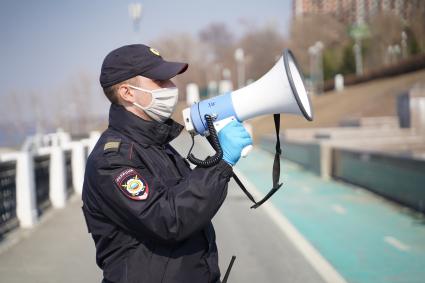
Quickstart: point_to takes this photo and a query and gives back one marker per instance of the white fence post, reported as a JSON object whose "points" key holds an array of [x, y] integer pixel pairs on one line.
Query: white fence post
{"points": [[192, 94], [325, 160], [57, 178], [339, 82], [94, 137], [26, 203], [78, 166]]}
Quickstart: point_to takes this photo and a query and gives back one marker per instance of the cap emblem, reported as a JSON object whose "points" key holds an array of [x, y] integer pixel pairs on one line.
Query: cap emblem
{"points": [[154, 51]]}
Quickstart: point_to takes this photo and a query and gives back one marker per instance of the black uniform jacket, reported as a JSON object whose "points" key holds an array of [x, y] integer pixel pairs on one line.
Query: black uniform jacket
{"points": [[148, 212]]}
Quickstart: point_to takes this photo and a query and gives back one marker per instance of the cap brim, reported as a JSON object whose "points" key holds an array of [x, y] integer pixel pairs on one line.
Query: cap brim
{"points": [[166, 70]]}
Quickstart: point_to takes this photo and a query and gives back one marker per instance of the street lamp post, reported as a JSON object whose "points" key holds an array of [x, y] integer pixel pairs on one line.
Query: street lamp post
{"points": [[225, 84], [404, 45], [358, 32], [357, 48], [316, 67], [135, 11], [240, 61], [312, 53], [319, 58]]}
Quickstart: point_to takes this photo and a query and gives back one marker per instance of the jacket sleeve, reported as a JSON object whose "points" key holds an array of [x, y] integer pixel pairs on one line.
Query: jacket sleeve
{"points": [[167, 214]]}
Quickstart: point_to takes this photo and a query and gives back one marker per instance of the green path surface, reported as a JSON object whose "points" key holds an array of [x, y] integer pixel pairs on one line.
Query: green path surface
{"points": [[367, 239]]}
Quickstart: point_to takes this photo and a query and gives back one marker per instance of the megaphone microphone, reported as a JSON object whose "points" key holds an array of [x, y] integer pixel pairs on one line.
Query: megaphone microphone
{"points": [[280, 90]]}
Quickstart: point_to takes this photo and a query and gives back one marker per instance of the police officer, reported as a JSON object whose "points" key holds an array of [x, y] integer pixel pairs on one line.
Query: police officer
{"points": [[148, 212]]}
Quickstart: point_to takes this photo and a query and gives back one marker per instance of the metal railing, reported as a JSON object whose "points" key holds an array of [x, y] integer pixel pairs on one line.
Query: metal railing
{"points": [[44, 176], [397, 178], [41, 172], [305, 154], [8, 219], [68, 168]]}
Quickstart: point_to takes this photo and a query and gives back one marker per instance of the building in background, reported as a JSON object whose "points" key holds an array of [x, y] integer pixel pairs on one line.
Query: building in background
{"points": [[350, 11]]}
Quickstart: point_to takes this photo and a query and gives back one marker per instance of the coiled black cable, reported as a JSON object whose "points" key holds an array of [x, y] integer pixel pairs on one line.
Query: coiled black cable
{"points": [[213, 140]]}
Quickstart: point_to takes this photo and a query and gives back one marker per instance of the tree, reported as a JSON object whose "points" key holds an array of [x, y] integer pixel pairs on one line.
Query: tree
{"points": [[348, 64], [416, 30], [331, 67], [184, 48], [310, 28], [263, 46], [219, 40], [220, 43], [385, 30]]}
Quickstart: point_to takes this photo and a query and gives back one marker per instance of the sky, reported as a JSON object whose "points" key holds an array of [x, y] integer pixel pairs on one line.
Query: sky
{"points": [[44, 43]]}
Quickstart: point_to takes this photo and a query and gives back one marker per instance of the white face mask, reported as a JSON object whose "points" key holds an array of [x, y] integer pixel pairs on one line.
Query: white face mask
{"points": [[163, 102]]}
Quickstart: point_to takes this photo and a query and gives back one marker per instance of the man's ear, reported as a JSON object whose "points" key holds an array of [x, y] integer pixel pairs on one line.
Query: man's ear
{"points": [[126, 94]]}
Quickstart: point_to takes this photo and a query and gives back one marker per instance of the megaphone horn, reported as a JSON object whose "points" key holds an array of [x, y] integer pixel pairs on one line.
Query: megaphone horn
{"points": [[280, 90]]}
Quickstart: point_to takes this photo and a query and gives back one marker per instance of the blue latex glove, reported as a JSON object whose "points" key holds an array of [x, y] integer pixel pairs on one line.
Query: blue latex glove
{"points": [[233, 138]]}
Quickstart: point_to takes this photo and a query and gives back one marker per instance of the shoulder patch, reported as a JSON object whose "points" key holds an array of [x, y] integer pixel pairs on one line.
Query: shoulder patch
{"points": [[132, 185], [112, 146]]}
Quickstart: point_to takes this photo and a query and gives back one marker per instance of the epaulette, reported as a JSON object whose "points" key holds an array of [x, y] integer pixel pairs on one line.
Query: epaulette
{"points": [[112, 145]]}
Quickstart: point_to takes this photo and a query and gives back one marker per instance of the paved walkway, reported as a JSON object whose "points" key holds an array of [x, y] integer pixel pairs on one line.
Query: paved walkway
{"points": [[366, 238], [264, 253], [60, 250]]}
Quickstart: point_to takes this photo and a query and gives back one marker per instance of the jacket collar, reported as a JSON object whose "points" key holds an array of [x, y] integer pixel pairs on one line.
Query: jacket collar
{"points": [[142, 131]]}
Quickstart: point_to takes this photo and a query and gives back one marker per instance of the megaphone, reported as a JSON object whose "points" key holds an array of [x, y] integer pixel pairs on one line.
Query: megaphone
{"points": [[280, 90]]}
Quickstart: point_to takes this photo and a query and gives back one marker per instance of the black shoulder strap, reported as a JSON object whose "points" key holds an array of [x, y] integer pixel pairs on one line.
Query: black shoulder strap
{"points": [[276, 169]]}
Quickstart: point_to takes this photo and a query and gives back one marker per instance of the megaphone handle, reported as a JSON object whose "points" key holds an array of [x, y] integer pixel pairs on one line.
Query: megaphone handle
{"points": [[219, 125], [246, 150]]}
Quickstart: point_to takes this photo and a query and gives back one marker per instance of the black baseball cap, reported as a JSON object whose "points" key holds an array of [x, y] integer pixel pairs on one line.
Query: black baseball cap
{"points": [[137, 59]]}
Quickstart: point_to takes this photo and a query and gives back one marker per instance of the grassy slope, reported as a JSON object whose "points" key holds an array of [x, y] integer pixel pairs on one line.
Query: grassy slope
{"points": [[373, 99]]}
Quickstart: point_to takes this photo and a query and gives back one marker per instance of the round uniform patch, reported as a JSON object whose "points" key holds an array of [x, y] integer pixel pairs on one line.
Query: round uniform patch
{"points": [[132, 185]]}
